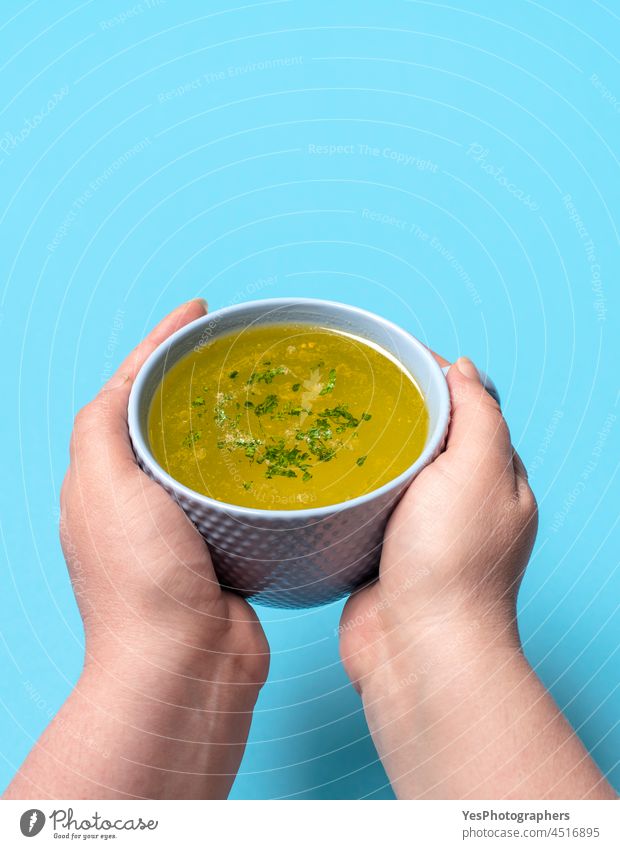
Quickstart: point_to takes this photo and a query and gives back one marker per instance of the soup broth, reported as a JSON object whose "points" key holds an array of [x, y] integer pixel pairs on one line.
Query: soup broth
{"points": [[287, 417]]}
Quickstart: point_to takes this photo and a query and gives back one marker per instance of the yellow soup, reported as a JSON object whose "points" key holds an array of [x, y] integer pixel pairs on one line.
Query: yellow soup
{"points": [[287, 417]]}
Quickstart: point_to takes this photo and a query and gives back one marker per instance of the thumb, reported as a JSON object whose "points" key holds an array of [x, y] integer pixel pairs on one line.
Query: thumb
{"points": [[478, 431], [101, 427], [178, 318]]}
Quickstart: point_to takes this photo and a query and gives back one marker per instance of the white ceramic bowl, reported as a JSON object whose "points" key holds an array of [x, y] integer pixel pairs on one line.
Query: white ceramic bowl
{"points": [[293, 558]]}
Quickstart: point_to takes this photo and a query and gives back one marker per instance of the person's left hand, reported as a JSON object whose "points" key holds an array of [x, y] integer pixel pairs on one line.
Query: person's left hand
{"points": [[142, 573], [173, 664]]}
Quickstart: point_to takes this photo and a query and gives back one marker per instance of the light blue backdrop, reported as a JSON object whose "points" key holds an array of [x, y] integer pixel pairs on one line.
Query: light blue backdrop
{"points": [[454, 168]]}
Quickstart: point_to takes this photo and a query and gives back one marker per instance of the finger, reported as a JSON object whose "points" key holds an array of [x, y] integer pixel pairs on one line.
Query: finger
{"points": [[521, 477], [478, 432], [102, 424], [443, 362], [178, 318]]}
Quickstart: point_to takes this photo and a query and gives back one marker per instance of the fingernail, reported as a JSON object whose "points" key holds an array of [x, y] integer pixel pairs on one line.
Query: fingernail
{"points": [[467, 368], [203, 304], [115, 382]]}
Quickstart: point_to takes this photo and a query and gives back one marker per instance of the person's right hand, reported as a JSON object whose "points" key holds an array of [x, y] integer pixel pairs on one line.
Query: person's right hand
{"points": [[458, 542], [454, 709]]}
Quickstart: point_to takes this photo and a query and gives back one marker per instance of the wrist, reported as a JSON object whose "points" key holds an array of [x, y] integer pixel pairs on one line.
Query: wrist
{"points": [[407, 648], [153, 732], [157, 664], [227, 648], [164, 704], [155, 698]]}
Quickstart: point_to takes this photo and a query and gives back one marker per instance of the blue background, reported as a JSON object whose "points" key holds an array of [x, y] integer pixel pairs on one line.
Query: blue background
{"points": [[197, 125]]}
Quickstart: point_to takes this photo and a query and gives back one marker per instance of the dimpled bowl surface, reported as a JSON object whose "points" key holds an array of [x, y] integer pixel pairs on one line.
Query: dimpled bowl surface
{"points": [[292, 558]]}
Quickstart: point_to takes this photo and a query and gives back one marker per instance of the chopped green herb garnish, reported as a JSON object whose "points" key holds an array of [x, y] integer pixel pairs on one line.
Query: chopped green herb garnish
{"points": [[192, 437], [282, 472], [267, 406], [251, 448], [342, 416], [266, 376], [317, 438], [284, 418], [291, 410], [283, 461], [331, 382]]}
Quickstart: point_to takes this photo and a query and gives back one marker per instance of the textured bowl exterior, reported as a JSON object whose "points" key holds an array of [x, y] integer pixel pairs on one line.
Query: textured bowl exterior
{"points": [[285, 558], [285, 562]]}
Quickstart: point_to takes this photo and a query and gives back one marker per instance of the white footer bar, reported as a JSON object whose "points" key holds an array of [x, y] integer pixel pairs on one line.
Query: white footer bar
{"points": [[301, 824]]}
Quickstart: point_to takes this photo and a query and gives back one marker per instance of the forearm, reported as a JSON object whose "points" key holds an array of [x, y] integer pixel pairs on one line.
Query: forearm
{"points": [[128, 732], [459, 714]]}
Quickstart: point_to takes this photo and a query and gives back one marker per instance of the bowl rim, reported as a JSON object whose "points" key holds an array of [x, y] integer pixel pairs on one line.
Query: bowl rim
{"points": [[143, 452]]}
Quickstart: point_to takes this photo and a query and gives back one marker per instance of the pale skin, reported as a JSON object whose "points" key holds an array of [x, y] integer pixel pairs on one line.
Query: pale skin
{"points": [[454, 708], [173, 664]]}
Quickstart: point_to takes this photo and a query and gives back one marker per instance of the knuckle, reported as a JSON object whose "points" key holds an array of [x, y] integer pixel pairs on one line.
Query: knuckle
{"points": [[82, 418], [512, 503], [530, 505], [491, 433], [86, 418], [64, 492], [477, 394], [485, 407], [83, 423], [496, 426], [492, 412]]}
